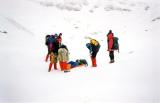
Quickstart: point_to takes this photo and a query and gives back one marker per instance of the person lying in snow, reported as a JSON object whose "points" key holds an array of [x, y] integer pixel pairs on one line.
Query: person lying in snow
{"points": [[78, 63]]}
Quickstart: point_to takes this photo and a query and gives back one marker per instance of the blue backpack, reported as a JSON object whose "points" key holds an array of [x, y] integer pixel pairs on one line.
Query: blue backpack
{"points": [[50, 39]]}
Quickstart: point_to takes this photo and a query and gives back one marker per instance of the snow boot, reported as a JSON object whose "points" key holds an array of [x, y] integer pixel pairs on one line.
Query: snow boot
{"points": [[50, 67], [94, 62], [61, 66], [112, 61], [55, 66]]}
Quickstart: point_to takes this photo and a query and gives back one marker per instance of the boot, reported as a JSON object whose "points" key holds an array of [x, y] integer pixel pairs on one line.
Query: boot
{"points": [[47, 56], [50, 66], [61, 66], [94, 62], [112, 61], [55, 66]]}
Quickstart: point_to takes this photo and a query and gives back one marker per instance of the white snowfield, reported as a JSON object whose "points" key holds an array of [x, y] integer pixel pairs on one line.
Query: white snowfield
{"points": [[133, 78]]}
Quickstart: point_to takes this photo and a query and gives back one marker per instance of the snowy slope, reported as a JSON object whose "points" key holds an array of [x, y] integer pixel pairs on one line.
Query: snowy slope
{"points": [[133, 78]]}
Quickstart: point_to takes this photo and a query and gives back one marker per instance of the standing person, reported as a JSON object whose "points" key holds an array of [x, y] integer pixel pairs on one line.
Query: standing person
{"points": [[63, 57], [110, 37], [93, 47], [49, 43], [54, 54]]}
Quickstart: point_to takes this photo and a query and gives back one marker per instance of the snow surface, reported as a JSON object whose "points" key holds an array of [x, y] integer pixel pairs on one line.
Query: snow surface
{"points": [[133, 78]]}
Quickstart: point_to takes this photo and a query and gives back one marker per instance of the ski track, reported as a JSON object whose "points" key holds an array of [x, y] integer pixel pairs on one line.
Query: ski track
{"points": [[19, 26]]}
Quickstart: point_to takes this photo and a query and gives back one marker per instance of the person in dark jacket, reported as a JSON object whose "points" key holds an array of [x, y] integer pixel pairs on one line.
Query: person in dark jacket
{"points": [[93, 47], [49, 43], [110, 45], [54, 55]]}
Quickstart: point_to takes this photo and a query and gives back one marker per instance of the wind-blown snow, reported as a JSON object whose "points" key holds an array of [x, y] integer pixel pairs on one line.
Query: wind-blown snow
{"points": [[133, 78]]}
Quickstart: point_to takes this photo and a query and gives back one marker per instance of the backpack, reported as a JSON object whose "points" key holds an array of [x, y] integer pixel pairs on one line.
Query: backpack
{"points": [[115, 43], [94, 42], [46, 39], [92, 48], [50, 39]]}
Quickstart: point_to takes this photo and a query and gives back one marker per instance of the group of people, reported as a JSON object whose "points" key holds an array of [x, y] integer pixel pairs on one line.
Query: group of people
{"points": [[59, 52], [94, 47], [56, 52]]}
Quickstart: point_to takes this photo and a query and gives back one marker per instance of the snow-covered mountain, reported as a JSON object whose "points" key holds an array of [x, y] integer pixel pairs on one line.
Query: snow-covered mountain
{"points": [[133, 78]]}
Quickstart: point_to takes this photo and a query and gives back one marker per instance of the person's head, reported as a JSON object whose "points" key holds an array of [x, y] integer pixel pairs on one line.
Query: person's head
{"points": [[64, 46], [55, 34], [110, 31], [60, 34]]}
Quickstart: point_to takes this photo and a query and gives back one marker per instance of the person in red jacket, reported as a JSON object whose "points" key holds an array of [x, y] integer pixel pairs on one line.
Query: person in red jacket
{"points": [[110, 46]]}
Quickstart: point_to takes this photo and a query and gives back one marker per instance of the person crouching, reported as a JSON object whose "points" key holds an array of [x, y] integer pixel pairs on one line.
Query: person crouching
{"points": [[63, 57], [93, 47]]}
